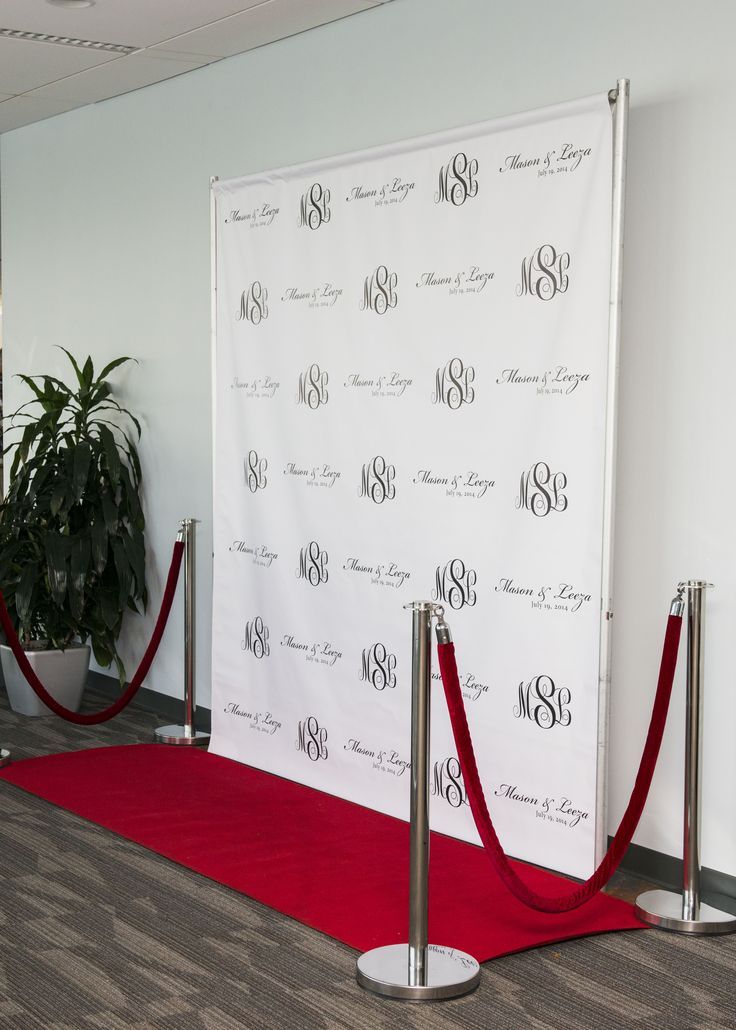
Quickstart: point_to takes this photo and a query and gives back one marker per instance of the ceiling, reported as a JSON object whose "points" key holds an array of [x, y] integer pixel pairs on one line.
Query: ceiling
{"points": [[155, 40]]}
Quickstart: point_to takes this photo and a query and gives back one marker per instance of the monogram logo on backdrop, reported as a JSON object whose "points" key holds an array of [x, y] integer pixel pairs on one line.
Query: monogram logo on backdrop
{"points": [[378, 667], [255, 638], [253, 304], [260, 555], [254, 468], [312, 739], [312, 564], [453, 384], [379, 291], [259, 216], [458, 180], [544, 273], [454, 584], [447, 783], [314, 207], [559, 380], [543, 703], [312, 390], [540, 490], [377, 480]]}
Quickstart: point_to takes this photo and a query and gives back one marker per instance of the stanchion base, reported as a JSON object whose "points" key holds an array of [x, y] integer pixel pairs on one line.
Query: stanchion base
{"points": [[450, 973], [180, 735], [664, 910], [4, 757]]}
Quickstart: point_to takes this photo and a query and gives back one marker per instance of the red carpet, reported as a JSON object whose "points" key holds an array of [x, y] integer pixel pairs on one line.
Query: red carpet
{"points": [[332, 865]]}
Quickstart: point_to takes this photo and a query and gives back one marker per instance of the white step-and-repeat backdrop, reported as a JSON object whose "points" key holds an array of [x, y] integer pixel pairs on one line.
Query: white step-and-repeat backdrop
{"points": [[410, 389]]}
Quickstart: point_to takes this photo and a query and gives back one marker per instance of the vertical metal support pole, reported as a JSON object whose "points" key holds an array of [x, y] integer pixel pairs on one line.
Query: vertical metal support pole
{"points": [[186, 734], [686, 913], [619, 100], [419, 804], [419, 971]]}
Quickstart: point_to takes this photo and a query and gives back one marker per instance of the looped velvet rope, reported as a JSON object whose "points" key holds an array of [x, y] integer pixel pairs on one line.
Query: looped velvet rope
{"points": [[630, 820], [142, 671]]}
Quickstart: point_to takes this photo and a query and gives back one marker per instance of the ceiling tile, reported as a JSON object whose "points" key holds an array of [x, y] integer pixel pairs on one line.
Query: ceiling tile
{"points": [[121, 76], [272, 20], [131, 22], [25, 65]]}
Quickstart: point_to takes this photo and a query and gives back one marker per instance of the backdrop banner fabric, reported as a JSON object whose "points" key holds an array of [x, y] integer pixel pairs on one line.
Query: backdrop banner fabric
{"points": [[410, 381]]}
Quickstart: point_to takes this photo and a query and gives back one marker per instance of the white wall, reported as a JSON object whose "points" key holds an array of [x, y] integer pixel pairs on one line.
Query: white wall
{"points": [[105, 224]]}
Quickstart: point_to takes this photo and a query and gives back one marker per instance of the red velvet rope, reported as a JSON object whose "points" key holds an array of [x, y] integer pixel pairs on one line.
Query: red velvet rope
{"points": [[131, 690], [585, 891]]}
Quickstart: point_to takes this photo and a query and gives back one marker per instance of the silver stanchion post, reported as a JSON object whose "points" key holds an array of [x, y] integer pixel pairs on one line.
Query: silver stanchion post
{"points": [[419, 971], [186, 734], [668, 910]]}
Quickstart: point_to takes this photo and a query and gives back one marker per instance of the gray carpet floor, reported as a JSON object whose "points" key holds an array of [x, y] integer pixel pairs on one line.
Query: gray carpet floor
{"points": [[97, 932]]}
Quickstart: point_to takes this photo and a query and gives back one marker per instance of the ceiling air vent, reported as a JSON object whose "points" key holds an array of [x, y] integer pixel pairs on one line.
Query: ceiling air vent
{"points": [[85, 44]]}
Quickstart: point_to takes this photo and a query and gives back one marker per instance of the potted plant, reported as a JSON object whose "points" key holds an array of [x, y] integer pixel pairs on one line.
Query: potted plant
{"points": [[72, 553]]}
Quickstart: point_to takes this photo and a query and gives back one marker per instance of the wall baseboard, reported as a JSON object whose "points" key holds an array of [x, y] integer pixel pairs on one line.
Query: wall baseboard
{"points": [[719, 889], [169, 708]]}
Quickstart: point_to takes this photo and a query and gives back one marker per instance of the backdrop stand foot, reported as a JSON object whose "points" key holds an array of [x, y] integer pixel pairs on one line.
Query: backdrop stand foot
{"points": [[449, 973], [4, 757], [182, 735]]}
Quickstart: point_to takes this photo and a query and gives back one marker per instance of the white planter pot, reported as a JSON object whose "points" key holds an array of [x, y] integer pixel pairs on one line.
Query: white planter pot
{"points": [[63, 673]]}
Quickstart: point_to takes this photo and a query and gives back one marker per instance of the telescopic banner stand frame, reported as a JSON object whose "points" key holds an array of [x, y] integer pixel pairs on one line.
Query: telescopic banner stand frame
{"points": [[668, 910], [419, 971], [186, 734]]}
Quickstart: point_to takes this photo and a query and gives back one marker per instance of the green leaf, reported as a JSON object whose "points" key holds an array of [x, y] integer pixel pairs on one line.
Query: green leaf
{"points": [[125, 575], [24, 592], [57, 548], [80, 562], [82, 459], [102, 653], [110, 611], [111, 454], [29, 435], [57, 496], [110, 513], [76, 367], [98, 540], [112, 365], [88, 373], [136, 555]]}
